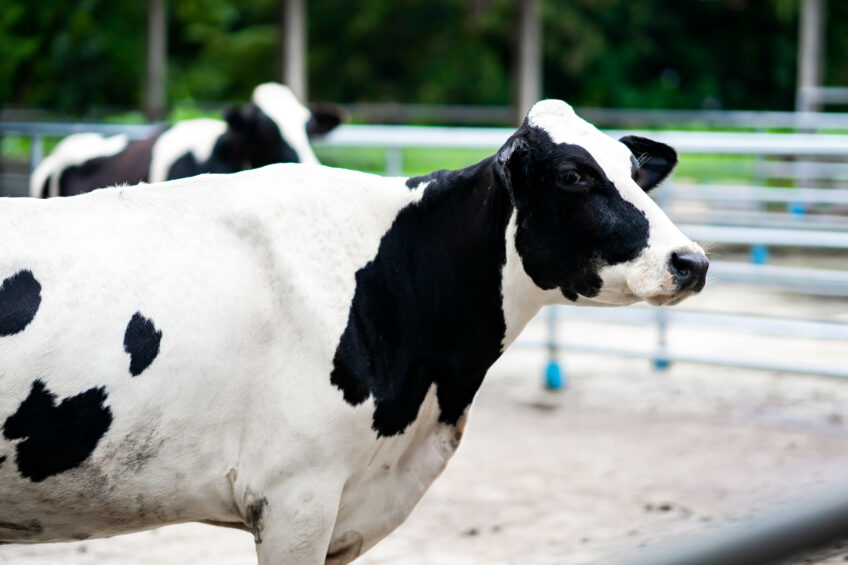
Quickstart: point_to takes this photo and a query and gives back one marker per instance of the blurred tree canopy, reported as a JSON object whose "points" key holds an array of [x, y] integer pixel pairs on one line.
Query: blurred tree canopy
{"points": [[74, 55]]}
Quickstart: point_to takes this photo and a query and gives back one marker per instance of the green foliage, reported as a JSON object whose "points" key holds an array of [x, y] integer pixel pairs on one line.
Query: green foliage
{"points": [[68, 55], [436, 52], [76, 56]]}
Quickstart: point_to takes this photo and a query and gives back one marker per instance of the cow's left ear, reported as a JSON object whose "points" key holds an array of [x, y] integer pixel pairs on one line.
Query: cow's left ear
{"points": [[655, 160], [510, 167], [325, 118]]}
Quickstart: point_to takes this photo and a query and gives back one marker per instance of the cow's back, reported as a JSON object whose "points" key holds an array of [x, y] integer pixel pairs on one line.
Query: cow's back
{"points": [[171, 325]]}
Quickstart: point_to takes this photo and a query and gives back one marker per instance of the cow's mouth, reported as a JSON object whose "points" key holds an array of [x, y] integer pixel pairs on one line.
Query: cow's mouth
{"points": [[670, 299]]}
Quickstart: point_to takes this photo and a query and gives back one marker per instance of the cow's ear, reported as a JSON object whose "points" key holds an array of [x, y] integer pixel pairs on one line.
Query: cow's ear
{"points": [[235, 118], [324, 119], [511, 167], [654, 160]]}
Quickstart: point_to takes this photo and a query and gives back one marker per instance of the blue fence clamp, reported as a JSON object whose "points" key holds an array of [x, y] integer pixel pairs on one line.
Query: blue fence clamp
{"points": [[554, 377]]}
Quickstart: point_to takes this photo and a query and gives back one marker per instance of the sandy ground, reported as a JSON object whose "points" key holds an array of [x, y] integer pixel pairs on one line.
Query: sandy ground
{"points": [[624, 457]]}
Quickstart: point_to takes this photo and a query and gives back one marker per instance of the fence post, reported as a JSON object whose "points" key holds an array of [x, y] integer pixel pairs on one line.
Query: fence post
{"points": [[661, 360], [554, 378], [394, 161], [36, 151]]}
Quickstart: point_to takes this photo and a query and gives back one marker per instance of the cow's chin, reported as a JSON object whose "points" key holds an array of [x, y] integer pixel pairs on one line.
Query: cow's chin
{"points": [[669, 299]]}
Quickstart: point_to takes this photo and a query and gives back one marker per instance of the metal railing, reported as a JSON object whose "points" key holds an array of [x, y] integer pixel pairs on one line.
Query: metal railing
{"points": [[803, 524], [804, 233]]}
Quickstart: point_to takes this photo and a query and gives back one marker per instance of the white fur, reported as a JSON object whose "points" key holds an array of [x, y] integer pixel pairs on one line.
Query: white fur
{"points": [[647, 277], [251, 287], [190, 136], [74, 150], [281, 105]]}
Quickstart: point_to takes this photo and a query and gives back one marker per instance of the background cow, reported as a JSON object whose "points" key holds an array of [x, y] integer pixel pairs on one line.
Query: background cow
{"points": [[273, 128], [294, 349]]}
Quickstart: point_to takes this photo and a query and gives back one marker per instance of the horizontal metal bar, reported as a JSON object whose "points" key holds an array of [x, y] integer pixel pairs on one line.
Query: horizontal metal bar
{"points": [[672, 356], [482, 138], [755, 219], [644, 315], [746, 193], [61, 129], [766, 236], [725, 143], [801, 524], [405, 113], [752, 273]]}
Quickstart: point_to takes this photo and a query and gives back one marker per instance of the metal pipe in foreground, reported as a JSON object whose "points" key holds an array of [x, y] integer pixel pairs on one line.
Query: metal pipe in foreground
{"points": [[808, 523]]}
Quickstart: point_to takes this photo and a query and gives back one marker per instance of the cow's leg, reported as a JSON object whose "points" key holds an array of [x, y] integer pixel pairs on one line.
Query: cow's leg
{"points": [[296, 526]]}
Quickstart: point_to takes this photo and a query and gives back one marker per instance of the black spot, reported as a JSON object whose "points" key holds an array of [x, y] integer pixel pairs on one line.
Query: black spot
{"points": [[56, 438], [254, 517], [20, 297], [2, 459], [427, 308], [141, 341]]}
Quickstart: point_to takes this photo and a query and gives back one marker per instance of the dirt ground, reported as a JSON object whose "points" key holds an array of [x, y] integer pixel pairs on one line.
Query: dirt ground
{"points": [[624, 457]]}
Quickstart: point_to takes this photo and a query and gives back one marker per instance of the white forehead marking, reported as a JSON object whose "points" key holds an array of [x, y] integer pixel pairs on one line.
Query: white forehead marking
{"points": [[565, 126], [280, 104]]}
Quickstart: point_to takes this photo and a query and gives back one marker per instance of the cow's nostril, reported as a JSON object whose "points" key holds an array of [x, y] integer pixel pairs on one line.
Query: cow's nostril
{"points": [[689, 270]]}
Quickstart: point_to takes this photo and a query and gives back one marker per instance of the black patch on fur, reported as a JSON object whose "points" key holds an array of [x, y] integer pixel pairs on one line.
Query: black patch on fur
{"points": [[251, 140], [2, 460], [20, 297], [259, 136], [427, 309], [141, 341], [56, 438], [266, 144], [254, 517], [565, 235], [228, 156], [130, 166]]}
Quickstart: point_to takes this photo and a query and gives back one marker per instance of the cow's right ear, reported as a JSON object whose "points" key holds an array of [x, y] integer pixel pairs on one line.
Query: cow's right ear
{"points": [[324, 118], [510, 168], [234, 118]]}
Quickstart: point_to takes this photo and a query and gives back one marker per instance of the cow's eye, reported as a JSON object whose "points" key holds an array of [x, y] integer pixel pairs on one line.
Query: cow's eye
{"points": [[569, 178]]}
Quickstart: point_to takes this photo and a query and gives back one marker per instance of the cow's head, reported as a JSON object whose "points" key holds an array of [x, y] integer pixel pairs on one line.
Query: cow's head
{"points": [[275, 127], [585, 228]]}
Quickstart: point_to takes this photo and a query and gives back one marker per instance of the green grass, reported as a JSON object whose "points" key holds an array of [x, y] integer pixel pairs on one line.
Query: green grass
{"points": [[716, 169]]}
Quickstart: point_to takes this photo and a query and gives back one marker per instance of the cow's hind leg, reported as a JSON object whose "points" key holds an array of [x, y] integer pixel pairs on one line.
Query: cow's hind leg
{"points": [[295, 527]]}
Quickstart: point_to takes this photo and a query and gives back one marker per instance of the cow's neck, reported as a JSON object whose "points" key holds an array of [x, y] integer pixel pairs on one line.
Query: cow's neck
{"points": [[428, 308]]}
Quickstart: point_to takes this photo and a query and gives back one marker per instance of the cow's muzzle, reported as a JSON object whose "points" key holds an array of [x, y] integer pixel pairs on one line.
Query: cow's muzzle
{"points": [[689, 270]]}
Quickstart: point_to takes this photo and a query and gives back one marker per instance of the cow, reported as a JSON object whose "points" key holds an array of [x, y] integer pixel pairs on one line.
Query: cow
{"points": [[273, 128], [293, 350]]}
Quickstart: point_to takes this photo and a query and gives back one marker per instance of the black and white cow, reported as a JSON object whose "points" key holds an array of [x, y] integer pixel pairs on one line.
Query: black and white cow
{"points": [[294, 349], [273, 128]]}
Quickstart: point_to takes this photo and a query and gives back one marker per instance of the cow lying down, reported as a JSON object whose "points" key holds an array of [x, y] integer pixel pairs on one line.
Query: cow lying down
{"points": [[273, 128], [294, 349]]}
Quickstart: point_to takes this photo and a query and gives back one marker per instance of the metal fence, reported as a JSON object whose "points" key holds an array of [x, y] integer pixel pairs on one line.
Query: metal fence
{"points": [[756, 227]]}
